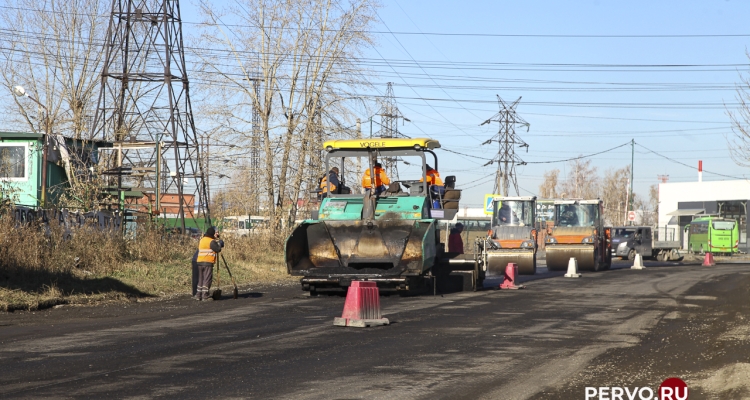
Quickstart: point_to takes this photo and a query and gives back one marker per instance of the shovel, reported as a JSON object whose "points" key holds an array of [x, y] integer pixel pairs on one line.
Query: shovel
{"points": [[236, 292]]}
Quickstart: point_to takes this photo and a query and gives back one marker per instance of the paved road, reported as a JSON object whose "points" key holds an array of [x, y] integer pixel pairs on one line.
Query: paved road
{"points": [[279, 343]]}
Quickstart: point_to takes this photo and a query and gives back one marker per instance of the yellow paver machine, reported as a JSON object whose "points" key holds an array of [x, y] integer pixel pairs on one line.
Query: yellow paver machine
{"points": [[579, 232], [390, 237]]}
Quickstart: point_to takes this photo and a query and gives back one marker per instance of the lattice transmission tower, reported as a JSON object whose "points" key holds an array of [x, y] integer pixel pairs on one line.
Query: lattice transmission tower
{"points": [[506, 137], [144, 108], [389, 116]]}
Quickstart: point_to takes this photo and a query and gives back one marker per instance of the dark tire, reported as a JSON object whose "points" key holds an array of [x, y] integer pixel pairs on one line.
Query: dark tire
{"points": [[313, 292], [631, 255]]}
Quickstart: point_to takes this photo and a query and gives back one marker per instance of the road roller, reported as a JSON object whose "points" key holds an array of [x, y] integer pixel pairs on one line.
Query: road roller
{"points": [[512, 238], [578, 232], [388, 235]]}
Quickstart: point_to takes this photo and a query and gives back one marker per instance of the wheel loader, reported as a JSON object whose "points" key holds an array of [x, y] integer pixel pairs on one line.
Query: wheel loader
{"points": [[389, 237], [579, 233], [512, 238]]}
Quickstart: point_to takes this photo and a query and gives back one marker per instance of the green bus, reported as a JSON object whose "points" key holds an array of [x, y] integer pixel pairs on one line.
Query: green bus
{"points": [[713, 235]]}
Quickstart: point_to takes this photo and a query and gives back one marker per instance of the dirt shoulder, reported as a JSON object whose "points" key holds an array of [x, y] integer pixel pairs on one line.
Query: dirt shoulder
{"points": [[704, 340], [138, 282]]}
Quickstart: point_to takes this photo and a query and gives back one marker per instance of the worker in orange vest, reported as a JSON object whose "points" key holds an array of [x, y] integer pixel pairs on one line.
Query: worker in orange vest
{"points": [[333, 178], [208, 247], [381, 179], [437, 190]]}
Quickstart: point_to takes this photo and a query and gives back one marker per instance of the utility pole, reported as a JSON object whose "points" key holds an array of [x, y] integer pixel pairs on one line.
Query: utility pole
{"points": [[632, 160], [144, 94], [507, 140], [389, 116]]}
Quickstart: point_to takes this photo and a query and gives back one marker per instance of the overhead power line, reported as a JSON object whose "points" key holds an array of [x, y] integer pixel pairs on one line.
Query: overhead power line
{"points": [[579, 157], [682, 163], [459, 34]]}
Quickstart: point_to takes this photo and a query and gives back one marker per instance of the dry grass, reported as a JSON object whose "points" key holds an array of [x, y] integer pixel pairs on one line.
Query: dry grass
{"points": [[43, 265]]}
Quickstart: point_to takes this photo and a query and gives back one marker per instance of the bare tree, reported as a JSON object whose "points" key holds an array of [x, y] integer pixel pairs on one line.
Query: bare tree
{"points": [[614, 193], [548, 188], [53, 49], [582, 181], [303, 55], [739, 143]]}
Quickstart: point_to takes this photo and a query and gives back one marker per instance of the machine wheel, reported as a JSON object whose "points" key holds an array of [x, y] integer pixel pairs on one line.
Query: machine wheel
{"points": [[313, 292], [631, 255]]}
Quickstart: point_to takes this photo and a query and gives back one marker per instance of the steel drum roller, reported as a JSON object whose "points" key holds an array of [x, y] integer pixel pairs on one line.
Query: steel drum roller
{"points": [[558, 256], [497, 260]]}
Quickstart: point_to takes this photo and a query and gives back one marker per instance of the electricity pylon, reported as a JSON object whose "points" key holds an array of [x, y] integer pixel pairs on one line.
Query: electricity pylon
{"points": [[507, 140]]}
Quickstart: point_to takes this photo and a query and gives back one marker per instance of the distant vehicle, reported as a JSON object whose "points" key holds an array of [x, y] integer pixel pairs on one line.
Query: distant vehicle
{"points": [[713, 235], [627, 241], [243, 225]]}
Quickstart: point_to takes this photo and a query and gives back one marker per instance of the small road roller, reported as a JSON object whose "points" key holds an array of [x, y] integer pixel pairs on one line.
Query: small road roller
{"points": [[512, 238], [579, 233]]}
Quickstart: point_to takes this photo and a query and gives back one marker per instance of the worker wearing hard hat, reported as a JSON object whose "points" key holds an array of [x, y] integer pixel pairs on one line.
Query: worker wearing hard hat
{"points": [[381, 179]]}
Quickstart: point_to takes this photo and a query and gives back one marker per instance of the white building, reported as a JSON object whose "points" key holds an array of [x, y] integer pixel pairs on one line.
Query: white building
{"points": [[680, 202]]}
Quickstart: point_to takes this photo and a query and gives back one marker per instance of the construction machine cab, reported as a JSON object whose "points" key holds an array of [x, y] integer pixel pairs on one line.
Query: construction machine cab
{"points": [[513, 211], [403, 149], [578, 213]]}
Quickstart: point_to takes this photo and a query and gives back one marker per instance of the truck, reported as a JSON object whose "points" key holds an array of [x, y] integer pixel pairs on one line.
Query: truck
{"points": [[578, 232], [391, 238], [512, 237], [627, 241]]}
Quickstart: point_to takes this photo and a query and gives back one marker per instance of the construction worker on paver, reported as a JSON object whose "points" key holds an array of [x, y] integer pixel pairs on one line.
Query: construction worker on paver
{"points": [[208, 247], [435, 184], [333, 178], [381, 179]]}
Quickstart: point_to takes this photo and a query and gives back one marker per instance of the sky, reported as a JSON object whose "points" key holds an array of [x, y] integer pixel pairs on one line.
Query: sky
{"points": [[592, 75]]}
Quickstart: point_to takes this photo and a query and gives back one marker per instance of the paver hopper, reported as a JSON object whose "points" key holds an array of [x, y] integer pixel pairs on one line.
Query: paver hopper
{"points": [[578, 232], [390, 237]]}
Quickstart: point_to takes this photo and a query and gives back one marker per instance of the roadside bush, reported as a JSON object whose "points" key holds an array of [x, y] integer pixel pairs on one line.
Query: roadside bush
{"points": [[51, 247]]}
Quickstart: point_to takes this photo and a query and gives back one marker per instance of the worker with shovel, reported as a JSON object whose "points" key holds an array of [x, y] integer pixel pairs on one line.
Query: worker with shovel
{"points": [[208, 247]]}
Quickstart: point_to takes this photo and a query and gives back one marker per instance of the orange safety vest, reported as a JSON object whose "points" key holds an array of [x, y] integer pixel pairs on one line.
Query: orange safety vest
{"points": [[380, 178], [433, 178], [205, 254], [324, 185]]}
